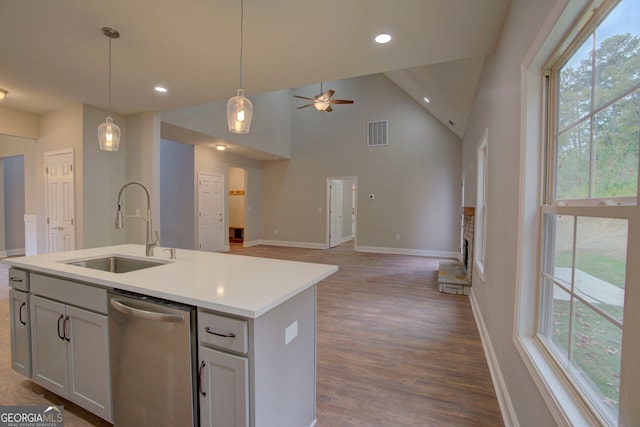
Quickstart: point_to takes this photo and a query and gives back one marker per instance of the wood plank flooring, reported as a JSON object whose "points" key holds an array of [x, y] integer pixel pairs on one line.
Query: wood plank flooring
{"points": [[392, 350]]}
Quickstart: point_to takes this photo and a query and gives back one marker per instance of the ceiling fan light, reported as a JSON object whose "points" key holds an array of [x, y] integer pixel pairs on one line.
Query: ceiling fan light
{"points": [[109, 135], [321, 105], [239, 113]]}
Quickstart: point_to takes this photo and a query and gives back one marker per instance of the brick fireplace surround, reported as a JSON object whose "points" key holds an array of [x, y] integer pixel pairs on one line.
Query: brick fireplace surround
{"points": [[467, 240]]}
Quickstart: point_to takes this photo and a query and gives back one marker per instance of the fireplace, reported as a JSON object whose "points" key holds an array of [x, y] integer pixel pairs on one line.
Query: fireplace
{"points": [[454, 277], [467, 240]]}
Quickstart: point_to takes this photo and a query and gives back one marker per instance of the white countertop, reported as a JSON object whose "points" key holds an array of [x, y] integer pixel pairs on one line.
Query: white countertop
{"points": [[234, 284]]}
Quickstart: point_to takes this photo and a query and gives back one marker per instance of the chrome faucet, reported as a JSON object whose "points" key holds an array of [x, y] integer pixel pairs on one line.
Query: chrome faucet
{"points": [[151, 243]]}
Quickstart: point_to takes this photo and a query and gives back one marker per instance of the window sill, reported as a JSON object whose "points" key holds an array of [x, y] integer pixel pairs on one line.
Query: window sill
{"points": [[566, 406]]}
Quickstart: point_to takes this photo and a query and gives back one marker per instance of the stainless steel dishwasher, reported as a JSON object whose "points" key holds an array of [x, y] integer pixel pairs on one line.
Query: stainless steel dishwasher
{"points": [[153, 361]]}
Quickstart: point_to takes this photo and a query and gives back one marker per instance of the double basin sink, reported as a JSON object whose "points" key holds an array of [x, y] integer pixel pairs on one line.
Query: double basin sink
{"points": [[115, 263]]}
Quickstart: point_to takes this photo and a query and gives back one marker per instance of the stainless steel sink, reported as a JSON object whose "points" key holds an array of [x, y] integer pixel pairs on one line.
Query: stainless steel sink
{"points": [[115, 264]]}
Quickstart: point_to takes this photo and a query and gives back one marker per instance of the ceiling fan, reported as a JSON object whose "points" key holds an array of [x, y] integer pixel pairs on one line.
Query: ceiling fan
{"points": [[323, 101]]}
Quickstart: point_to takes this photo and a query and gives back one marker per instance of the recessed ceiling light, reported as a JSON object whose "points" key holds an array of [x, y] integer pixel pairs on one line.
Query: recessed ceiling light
{"points": [[426, 100], [160, 89], [221, 147], [383, 38]]}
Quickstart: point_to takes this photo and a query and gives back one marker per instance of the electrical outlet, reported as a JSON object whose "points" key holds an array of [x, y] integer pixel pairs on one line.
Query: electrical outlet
{"points": [[277, 231], [397, 237], [291, 332]]}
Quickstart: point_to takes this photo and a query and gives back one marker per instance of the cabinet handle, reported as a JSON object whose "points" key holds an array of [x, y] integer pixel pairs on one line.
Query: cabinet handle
{"points": [[14, 279], [212, 332], [60, 335], [20, 313], [202, 365], [64, 328]]}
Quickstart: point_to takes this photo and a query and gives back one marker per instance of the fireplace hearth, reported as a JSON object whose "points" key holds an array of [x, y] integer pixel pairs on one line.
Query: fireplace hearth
{"points": [[454, 277]]}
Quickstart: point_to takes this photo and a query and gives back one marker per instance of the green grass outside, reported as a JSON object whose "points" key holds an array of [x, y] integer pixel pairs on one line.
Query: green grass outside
{"points": [[596, 348], [609, 269]]}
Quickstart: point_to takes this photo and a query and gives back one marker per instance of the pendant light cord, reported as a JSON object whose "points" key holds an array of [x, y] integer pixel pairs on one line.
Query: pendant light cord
{"points": [[109, 110], [241, 37]]}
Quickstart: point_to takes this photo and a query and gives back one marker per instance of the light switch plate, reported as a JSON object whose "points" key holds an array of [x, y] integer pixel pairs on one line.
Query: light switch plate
{"points": [[291, 332]]}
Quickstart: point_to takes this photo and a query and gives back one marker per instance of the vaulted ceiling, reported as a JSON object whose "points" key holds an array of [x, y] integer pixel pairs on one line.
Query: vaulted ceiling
{"points": [[53, 53]]}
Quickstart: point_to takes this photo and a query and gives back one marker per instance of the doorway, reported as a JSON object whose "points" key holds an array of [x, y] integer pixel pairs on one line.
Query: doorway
{"points": [[211, 212], [60, 196], [341, 210], [237, 204], [12, 198]]}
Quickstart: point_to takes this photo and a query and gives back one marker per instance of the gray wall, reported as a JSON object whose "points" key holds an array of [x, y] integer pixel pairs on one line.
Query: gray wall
{"points": [[415, 179], [270, 126], [102, 176], [176, 195], [497, 107], [14, 204]]}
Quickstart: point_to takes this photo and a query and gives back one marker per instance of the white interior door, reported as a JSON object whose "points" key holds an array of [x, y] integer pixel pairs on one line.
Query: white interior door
{"points": [[210, 212], [61, 233], [335, 214]]}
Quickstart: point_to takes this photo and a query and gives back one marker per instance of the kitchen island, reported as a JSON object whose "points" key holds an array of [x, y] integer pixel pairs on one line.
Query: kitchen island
{"points": [[269, 305]]}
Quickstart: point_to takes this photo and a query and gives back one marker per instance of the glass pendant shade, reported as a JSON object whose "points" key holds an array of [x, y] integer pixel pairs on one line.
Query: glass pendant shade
{"points": [[239, 113], [109, 135]]}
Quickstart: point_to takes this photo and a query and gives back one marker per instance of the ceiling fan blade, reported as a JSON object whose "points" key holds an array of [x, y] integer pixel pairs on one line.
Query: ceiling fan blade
{"points": [[328, 109], [340, 101], [304, 97], [328, 94], [308, 105]]}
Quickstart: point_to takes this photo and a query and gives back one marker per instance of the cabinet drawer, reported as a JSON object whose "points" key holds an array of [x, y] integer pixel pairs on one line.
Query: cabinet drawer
{"points": [[79, 294], [18, 279], [222, 331]]}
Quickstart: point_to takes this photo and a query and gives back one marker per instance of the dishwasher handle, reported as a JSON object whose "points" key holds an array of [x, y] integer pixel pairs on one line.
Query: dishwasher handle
{"points": [[145, 314]]}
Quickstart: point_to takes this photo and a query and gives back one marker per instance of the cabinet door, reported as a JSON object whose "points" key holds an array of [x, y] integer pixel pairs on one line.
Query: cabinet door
{"points": [[224, 389], [88, 350], [20, 332], [48, 346]]}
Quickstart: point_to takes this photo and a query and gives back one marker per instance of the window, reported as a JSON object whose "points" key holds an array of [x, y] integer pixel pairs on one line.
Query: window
{"points": [[481, 203], [589, 202]]}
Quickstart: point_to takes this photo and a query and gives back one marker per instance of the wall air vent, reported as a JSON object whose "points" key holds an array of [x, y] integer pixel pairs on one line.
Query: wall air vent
{"points": [[377, 133]]}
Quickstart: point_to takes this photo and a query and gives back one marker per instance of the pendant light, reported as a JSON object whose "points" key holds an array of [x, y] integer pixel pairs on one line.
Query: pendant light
{"points": [[239, 108], [109, 132]]}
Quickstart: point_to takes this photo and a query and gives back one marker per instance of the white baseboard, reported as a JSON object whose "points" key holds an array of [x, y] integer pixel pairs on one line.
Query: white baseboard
{"points": [[15, 252], [304, 245], [401, 251], [250, 243], [347, 238], [504, 400]]}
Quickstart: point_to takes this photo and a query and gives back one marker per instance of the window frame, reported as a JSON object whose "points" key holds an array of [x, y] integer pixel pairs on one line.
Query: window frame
{"points": [[565, 402], [480, 236]]}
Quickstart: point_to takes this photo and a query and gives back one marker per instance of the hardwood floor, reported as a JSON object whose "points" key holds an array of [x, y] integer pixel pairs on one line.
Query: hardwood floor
{"points": [[392, 350]]}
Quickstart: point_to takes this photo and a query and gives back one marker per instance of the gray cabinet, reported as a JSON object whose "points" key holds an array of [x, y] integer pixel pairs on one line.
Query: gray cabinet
{"points": [[223, 375], [223, 389], [70, 347], [20, 331], [259, 372]]}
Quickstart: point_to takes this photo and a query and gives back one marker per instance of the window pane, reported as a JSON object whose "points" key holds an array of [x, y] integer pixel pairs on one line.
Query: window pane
{"points": [[596, 357], [618, 51], [558, 332], [573, 155], [616, 147], [559, 235], [575, 83], [601, 252]]}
